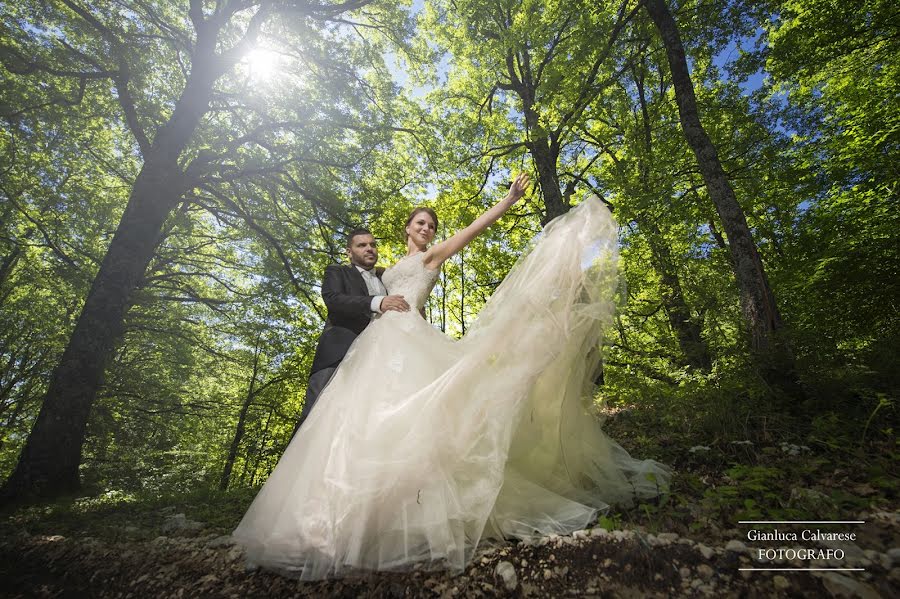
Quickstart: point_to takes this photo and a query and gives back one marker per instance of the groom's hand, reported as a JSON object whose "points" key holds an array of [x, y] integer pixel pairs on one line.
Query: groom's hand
{"points": [[394, 302]]}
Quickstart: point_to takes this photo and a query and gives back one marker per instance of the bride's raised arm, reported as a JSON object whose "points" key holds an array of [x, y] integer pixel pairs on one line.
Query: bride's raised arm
{"points": [[437, 254]]}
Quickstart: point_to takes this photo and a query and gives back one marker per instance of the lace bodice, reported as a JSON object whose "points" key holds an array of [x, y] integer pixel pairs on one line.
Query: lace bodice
{"points": [[409, 278]]}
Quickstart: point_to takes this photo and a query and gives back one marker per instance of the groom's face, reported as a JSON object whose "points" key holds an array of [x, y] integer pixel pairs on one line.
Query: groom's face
{"points": [[363, 251]]}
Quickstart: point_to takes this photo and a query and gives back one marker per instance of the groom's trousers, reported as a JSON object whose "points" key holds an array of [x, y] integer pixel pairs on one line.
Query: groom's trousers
{"points": [[314, 387]]}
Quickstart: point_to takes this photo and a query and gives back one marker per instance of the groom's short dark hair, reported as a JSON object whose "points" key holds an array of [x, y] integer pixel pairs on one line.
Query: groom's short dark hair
{"points": [[355, 232]]}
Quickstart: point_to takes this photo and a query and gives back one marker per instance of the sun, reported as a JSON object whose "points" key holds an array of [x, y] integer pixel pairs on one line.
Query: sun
{"points": [[262, 64]]}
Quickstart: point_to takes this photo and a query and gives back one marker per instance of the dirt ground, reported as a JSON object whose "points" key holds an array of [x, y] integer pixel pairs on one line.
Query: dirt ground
{"points": [[591, 563]]}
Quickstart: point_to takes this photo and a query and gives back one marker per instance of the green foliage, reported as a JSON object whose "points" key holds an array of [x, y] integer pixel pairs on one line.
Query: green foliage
{"points": [[753, 488], [610, 522], [837, 66]]}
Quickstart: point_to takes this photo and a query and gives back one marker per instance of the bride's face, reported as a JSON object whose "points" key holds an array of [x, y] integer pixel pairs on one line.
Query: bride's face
{"points": [[421, 229]]}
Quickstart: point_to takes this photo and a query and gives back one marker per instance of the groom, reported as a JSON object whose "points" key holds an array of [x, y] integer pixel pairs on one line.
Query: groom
{"points": [[353, 294]]}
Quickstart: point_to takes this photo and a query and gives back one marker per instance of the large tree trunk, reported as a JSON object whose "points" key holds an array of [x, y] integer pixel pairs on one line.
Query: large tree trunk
{"points": [[545, 154], [48, 464], [757, 301], [544, 149], [545, 158]]}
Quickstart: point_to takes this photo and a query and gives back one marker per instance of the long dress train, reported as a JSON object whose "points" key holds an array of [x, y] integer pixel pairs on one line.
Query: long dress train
{"points": [[421, 445]]}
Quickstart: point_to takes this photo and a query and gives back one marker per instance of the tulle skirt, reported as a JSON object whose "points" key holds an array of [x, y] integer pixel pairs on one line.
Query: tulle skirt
{"points": [[422, 446]]}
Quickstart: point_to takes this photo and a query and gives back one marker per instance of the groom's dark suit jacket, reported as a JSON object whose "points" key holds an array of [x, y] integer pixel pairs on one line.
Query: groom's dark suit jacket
{"points": [[348, 302]]}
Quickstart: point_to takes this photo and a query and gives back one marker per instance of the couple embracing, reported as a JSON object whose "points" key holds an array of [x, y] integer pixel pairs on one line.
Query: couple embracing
{"points": [[414, 447]]}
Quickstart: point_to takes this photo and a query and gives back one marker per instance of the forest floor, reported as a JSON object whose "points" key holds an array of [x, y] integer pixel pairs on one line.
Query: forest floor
{"points": [[691, 543]]}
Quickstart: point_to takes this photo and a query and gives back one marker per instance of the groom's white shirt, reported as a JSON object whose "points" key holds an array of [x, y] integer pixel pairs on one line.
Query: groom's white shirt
{"points": [[374, 286]]}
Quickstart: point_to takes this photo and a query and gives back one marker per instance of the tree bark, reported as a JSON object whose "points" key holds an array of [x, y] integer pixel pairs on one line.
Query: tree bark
{"points": [[545, 154], [757, 300], [48, 464], [545, 159], [544, 149], [687, 331]]}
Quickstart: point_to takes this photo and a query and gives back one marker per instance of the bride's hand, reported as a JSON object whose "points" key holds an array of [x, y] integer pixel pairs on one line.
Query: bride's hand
{"points": [[518, 188], [438, 253]]}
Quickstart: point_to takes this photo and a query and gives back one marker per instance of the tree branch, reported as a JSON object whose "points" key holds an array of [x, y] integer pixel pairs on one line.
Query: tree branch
{"points": [[270, 239]]}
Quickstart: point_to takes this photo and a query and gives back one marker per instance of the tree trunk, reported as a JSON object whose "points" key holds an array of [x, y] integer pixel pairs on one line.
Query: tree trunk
{"points": [[544, 149], [261, 444], [545, 161], [687, 331], [48, 464], [242, 419], [757, 301], [545, 154]]}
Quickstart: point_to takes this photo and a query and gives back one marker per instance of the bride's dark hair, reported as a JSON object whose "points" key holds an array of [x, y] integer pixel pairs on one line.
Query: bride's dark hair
{"points": [[429, 211]]}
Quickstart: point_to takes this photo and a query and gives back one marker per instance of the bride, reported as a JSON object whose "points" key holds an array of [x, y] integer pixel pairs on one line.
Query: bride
{"points": [[422, 446]]}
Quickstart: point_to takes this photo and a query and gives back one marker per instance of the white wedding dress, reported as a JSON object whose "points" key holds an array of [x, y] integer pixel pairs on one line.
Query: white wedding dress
{"points": [[421, 445]]}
